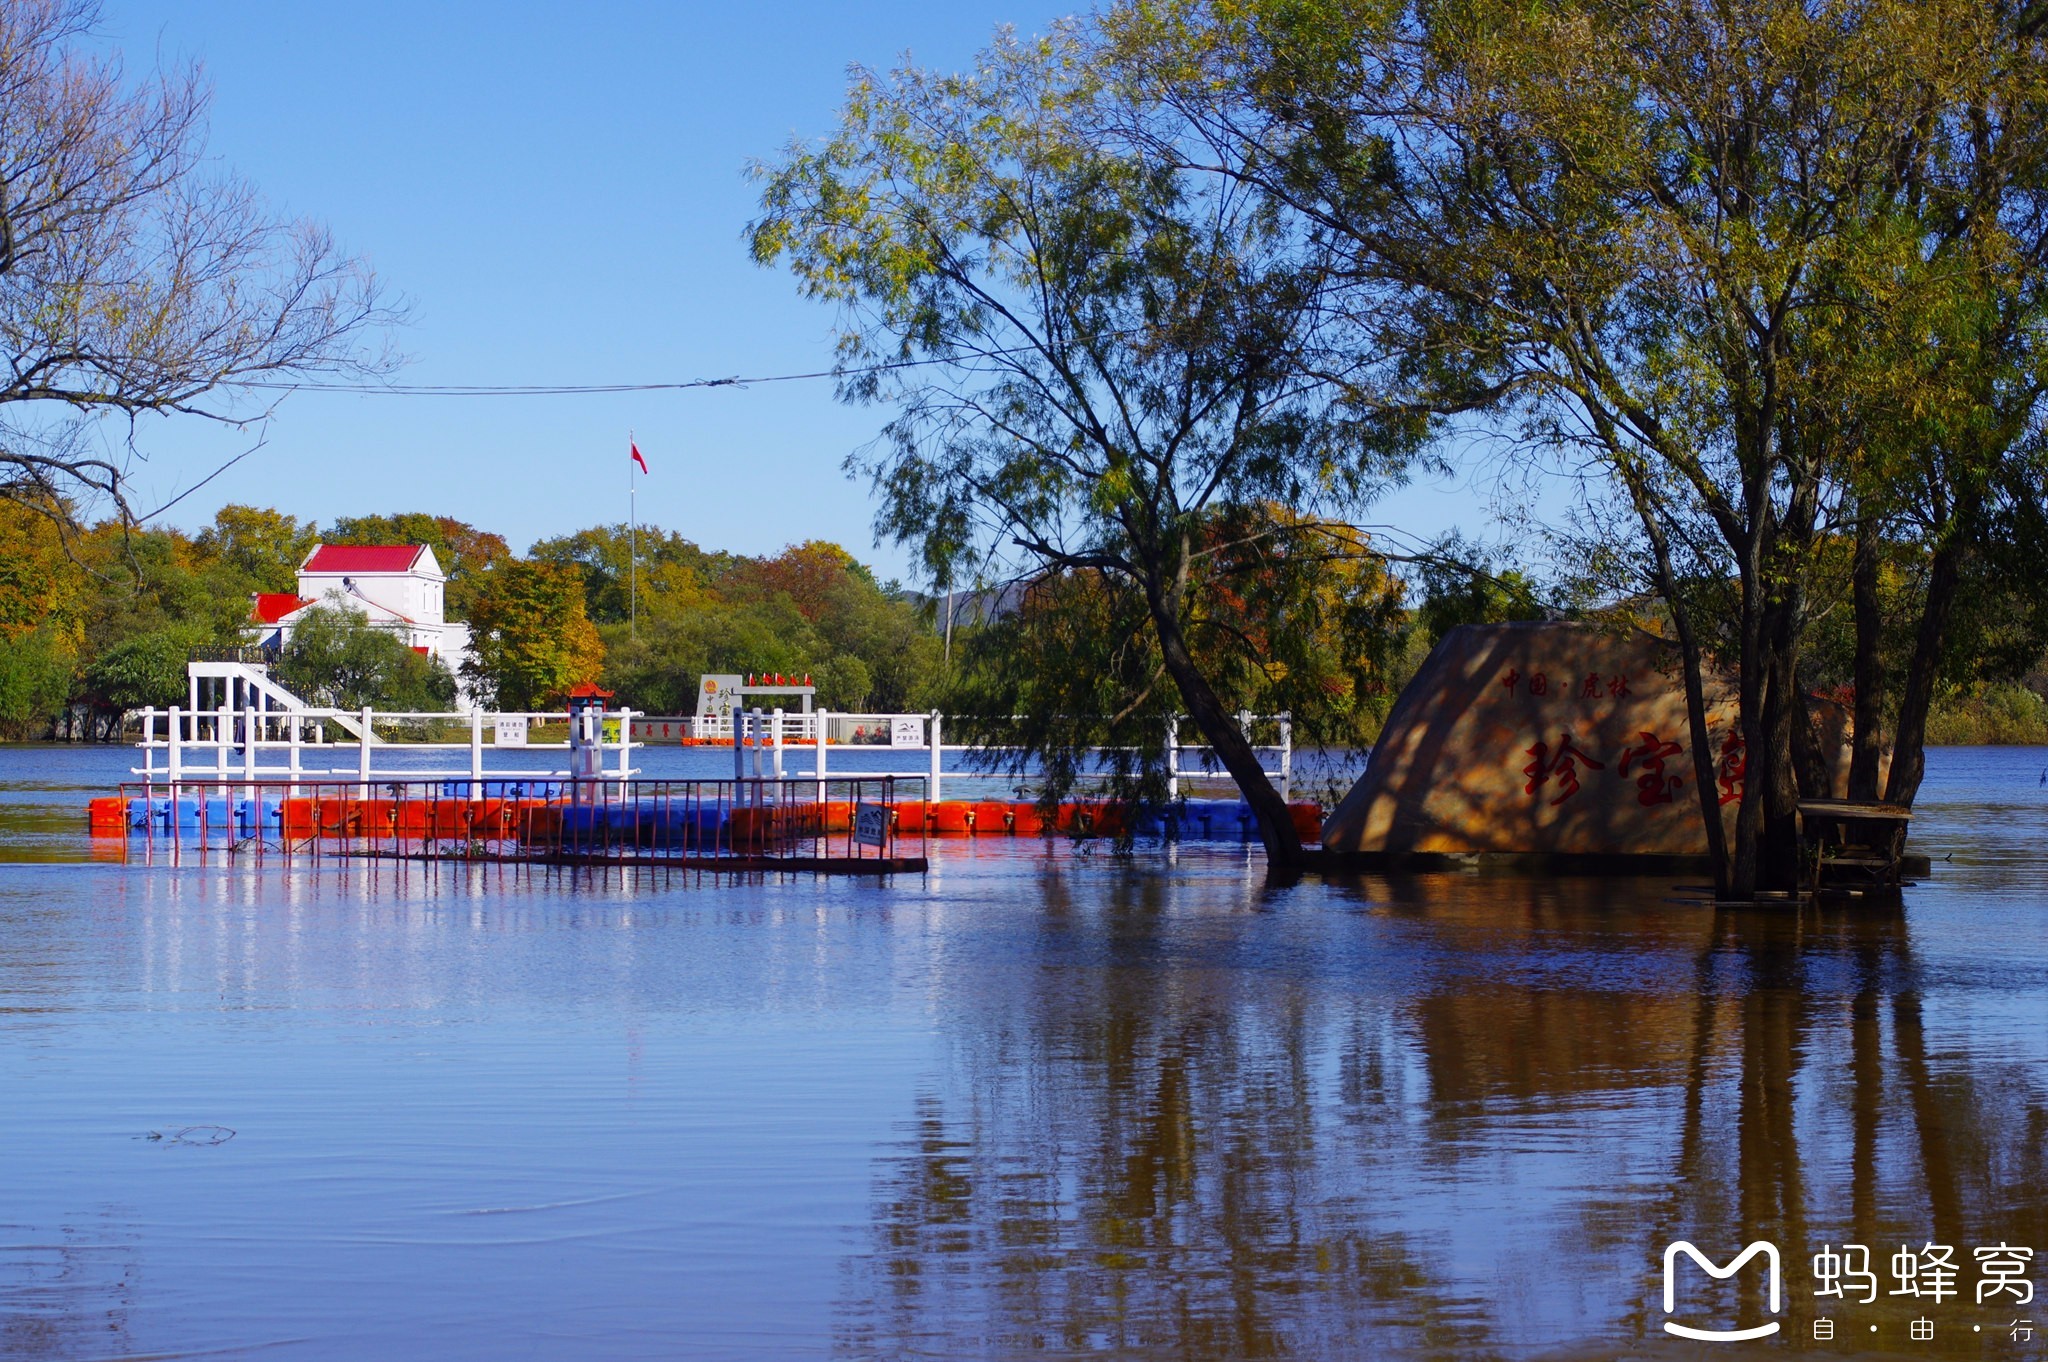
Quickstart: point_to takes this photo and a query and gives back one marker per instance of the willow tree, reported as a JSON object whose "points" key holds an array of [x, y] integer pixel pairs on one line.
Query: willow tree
{"points": [[1653, 229], [134, 278], [1098, 360]]}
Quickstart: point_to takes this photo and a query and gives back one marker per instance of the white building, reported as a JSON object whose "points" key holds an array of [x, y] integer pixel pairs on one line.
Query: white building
{"points": [[398, 586]]}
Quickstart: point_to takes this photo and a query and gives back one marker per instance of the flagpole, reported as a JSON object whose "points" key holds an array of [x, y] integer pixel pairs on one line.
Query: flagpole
{"points": [[632, 541]]}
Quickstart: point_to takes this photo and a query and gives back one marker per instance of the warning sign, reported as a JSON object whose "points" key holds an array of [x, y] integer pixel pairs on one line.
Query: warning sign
{"points": [[871, 824]]}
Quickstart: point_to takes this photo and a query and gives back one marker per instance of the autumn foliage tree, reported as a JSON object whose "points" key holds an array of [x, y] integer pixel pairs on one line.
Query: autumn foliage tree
{"points": [[531, 639], [1106, 357], [263, 545], [1288, 616], [1766, 268]]}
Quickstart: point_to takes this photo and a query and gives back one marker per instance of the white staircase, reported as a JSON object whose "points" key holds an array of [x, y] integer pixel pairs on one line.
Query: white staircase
{"points": [[241, 687]]}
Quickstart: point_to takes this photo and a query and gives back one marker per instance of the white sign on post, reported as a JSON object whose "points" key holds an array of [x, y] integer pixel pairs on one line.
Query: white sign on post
{"points": [[509, 730], [871, 825], [906, 730]]}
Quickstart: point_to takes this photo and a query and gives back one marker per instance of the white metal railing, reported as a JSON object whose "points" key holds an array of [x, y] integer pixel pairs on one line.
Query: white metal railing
{"points": [[765, 737], [711, 728], [255, 742], [226, 746]]}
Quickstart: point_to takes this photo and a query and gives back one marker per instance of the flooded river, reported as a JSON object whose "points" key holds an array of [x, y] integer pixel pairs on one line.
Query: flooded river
{"points": [[1039, 1102]]}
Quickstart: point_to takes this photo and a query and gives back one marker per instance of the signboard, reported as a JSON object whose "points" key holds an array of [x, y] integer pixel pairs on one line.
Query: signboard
{"points": [[718, 695], [906, 730], [871, 824], [509, 730], [661, 730]]}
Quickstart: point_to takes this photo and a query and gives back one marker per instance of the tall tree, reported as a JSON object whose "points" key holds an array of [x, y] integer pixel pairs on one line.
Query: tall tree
{"points": [[530, 638], [133, 278], [667, 566], [259, 544], [1096, 359], [1648, 231]]}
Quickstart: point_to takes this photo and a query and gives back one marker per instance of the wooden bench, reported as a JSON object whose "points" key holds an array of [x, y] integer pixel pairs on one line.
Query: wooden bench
{"points": [[1852, 845]]}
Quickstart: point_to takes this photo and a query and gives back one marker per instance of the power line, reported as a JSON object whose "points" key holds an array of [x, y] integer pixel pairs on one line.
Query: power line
{"points": [[581, 389]]}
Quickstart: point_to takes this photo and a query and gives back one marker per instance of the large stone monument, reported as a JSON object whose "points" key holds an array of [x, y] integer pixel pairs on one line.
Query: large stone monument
{"points": [[1547, 740]]}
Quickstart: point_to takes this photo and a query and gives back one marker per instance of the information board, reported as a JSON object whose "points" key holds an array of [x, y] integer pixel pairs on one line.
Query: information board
{"points": [[906, 730], [509, 730]]}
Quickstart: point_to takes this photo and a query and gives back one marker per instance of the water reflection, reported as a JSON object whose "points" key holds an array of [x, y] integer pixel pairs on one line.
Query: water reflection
{"points": [[1181, 1136], [69, 1293], [1035, 1102]]}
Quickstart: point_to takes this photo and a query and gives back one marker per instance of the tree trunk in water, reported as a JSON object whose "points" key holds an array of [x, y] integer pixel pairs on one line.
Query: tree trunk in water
{"points": [[1219, 727], [1784, 709], [1703, 772], [1749, 811], [1916, 697], [1703, 765], [1865, 748]]}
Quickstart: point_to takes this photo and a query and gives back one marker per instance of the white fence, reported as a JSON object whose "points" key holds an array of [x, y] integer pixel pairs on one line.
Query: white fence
{"points": [[226, 745], [766, 739], [255, 742]]}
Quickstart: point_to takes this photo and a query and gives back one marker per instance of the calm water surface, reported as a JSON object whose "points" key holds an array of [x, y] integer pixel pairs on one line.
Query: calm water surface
{"points": [[1035, 1103]]}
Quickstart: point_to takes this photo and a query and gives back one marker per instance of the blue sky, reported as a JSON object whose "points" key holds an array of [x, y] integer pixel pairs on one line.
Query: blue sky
{"points": [[559, 194]]}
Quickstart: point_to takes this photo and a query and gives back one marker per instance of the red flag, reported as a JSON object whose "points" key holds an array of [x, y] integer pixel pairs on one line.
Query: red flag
{"points": [[636, 456]]}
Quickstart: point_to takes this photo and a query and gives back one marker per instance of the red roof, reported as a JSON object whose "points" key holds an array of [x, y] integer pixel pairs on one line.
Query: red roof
{"points": [[363, 558], [583, 690], [272, 606]]}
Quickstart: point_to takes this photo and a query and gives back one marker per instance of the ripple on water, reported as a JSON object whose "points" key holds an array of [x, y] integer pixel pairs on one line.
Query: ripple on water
{"points": [[1033, 1102]]}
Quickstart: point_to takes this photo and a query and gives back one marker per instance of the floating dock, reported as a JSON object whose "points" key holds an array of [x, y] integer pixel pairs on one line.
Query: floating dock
{"points": [[797, 823], [250, 769]]}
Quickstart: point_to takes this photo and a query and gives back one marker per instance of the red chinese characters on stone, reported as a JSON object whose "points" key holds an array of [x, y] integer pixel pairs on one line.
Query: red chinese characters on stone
{"points": [[1734, 765], [1563, 763], [1591, 686], [1652, 785]]}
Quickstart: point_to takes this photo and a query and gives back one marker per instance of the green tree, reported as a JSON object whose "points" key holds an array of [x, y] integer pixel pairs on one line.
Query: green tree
{"points": [[672, 571], [142, 669], [1675, 237], [35, 682], [531, 639], [262, 546], [1111, 356], [147, 581], [1460, 585], [338, 659]]}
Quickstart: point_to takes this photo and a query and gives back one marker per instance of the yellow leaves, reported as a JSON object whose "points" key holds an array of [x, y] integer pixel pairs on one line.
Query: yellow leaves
{"points": [[1113, 489], [40, 584]]}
